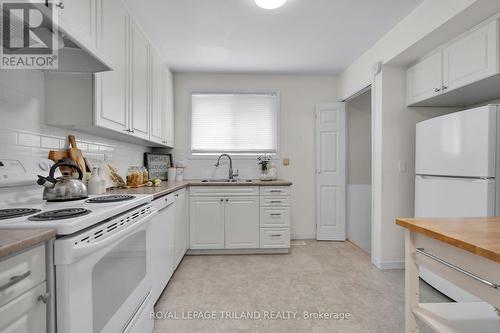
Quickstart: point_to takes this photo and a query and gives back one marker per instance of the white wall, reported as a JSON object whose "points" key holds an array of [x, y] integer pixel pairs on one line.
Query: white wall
{"points": [[299, 95], [394, 141], [23, 129], [358, 115], [393, 124]]}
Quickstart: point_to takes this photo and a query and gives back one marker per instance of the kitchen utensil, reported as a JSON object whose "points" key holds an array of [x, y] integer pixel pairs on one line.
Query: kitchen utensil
{"points": [[64, 188], [75, 153]]}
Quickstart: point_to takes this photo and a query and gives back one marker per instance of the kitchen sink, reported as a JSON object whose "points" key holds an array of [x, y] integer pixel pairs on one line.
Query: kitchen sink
{"points": [[226, 181]]}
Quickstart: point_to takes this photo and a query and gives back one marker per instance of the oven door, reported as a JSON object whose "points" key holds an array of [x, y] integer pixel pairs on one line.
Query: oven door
{"points": [[102, 279]]}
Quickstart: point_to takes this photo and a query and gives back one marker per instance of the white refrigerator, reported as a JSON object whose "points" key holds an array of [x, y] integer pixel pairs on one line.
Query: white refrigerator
{"points": [[457, 162]]}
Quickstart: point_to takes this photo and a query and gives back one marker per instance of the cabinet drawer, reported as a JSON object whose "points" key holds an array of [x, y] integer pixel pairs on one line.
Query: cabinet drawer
{"points": [[27, 268], [275, 201], [274, 238], [25, 313], [275, 190], [274, 217], [196, 191]]}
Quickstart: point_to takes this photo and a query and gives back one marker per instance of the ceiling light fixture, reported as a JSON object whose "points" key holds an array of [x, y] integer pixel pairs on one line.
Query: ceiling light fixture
{"points": [[270, 4]]}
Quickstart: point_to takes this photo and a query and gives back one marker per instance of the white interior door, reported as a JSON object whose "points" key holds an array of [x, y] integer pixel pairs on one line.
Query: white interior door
{"points": [[330, 171]]}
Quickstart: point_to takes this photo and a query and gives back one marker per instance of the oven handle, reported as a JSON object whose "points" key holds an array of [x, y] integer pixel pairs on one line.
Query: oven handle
{"points": [[84, 250]]}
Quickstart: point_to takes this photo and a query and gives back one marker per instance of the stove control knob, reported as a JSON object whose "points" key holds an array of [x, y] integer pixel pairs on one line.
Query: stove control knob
{"points": [[43, 166]]}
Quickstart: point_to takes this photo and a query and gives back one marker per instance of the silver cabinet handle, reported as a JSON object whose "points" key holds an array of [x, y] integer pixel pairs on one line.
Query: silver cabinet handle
{"points": [[275, 201], [275, 214], [276, 235], [227, 200], [437, 90], [469, 274], [43, 298], [14, 280], [221, 200], [444, 87], [276, 191], [60, 5]]}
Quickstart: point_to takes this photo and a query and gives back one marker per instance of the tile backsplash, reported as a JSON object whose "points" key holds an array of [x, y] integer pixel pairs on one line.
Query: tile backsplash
{"points": [[23, 130]]}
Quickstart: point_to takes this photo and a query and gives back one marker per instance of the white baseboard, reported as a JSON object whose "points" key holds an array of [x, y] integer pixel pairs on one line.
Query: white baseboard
{"points": [[302, 236], [383, 265]]}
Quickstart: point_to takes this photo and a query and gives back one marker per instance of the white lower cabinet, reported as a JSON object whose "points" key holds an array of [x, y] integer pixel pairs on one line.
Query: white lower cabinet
{"points": [[26, 313], [274, 238], [23, 292], [206, 227], [242, 223], [181, 235], [239, 217]]}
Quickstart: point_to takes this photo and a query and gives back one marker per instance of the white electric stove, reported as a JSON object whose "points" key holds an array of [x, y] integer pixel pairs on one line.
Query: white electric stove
{"points": [[101, 254]]}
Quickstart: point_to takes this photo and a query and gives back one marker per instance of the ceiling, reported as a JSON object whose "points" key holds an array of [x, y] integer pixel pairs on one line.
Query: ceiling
{"points": [[302, 37]]}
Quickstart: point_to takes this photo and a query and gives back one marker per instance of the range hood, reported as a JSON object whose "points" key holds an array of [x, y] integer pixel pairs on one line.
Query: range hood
{"points": [[74, 54]]}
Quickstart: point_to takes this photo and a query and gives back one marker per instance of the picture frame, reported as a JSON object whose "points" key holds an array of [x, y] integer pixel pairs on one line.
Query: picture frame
{"points": [[158, 164]]}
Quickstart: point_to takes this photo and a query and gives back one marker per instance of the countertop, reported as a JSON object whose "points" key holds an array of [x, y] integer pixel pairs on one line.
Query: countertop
{"points": [[16, 240], [167, 187], [480, 236]]}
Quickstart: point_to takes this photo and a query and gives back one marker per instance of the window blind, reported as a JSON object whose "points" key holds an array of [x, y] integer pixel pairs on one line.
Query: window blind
{"points": [[244, 123]]}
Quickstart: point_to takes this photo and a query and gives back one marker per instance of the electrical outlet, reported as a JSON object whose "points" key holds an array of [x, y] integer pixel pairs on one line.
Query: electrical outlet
{"points": [[403, 167], [286, 161]]}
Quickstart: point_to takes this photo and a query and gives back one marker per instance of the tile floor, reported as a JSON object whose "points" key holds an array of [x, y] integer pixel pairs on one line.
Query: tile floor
{"points": [[315, 277]]}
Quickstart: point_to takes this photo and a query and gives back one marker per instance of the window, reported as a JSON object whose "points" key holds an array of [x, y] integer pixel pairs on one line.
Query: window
{"points": [[238, 123]]}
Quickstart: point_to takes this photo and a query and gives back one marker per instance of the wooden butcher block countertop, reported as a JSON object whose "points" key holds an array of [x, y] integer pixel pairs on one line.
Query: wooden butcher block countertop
{"points": [[480, 236]]}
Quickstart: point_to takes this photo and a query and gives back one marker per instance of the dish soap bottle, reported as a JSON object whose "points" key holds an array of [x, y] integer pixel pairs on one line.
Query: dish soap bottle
{"points": [[94, 182]]}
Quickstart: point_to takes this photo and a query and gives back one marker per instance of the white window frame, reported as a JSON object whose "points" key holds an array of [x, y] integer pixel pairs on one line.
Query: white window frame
{"points": [[253, 156]]}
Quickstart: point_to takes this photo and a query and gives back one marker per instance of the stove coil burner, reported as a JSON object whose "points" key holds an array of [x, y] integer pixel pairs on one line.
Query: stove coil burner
{"points": [[16, 212], [110, 198], [60, 214]]}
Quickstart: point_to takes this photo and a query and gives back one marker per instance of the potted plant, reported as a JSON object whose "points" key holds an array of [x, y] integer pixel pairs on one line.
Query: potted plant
{"points": [[265, 164]]}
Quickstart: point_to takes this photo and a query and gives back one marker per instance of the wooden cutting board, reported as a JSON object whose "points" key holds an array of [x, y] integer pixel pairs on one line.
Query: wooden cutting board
{"points": [[76, 154], [57, 155]]}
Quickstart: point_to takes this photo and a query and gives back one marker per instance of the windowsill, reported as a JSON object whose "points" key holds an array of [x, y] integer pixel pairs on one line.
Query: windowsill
{"points": [[249, 157]]}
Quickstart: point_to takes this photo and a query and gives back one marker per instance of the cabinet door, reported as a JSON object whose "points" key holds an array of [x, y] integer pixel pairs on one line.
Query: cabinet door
{"points": [[425, 79], [111, 87], [242, 222], [157, 116], [181, 227], [168, 106], [79, 16], [139, 111], [206, 223], [25, 313], [472, 58]]}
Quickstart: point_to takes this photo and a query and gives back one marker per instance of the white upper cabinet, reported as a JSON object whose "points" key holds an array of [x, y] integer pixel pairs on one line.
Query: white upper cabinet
{"points": [[157, 133], [139, 85], [80, 16], [111, 104], [425, 79], [462, 72], [472, 57], [168, 105], [134, 101]]}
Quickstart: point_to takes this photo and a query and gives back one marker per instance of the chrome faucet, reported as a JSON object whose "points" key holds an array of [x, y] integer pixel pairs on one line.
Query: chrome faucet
{"points": [[230, 165]]}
